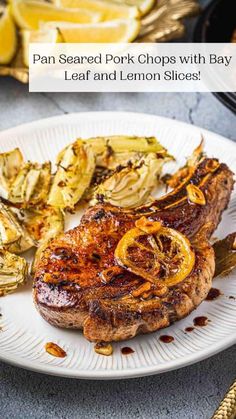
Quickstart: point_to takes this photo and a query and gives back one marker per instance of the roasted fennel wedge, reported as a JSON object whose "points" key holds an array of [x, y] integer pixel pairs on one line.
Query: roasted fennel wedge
{"points": [[131, 186], [10, 164], [13, 236], [75, 168], [118, 150], [31, 185], [42, 224], [13, 272], [184, 172]]}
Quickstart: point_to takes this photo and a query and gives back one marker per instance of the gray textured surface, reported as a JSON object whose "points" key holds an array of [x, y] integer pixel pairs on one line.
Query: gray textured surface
{"points": [[193, 392]]}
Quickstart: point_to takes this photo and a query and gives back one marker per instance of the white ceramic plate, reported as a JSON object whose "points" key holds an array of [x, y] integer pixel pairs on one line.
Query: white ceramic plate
{"points": [[24, 333]]}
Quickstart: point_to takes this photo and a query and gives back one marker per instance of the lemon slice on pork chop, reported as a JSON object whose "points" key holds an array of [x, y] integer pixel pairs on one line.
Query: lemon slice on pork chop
{"points": [[29, 13], [8, 34], [112, 31], [42, 36], [110, 10], [144, 6]]}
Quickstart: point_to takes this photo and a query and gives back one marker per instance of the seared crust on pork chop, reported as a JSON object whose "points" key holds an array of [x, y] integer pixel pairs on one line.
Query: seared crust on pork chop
{"points": [[76, 296]]}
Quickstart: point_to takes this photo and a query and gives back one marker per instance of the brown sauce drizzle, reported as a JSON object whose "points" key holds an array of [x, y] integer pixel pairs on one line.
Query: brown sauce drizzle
{"points": [[126, 350], [213, 294], [189, 329], [166, 338], [231, 297], [200, 321]]}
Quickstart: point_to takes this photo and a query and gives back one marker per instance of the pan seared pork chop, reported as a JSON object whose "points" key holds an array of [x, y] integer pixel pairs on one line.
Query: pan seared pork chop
{"points": [[71, 289]]}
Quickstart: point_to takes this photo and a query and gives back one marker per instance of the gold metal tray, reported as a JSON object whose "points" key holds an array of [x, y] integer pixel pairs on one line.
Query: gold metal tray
{"points": [[163, 23], [227, 408]]}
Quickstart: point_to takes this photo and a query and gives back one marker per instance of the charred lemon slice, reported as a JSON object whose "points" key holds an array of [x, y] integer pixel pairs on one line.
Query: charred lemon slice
{"points": [[160, 255]]}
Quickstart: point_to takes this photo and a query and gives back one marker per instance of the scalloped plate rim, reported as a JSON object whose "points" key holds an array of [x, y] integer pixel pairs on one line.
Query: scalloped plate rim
{"points": [[58, 118], [119, 374]]}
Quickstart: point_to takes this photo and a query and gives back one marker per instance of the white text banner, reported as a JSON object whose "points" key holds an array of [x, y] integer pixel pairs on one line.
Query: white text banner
{"points": [[173, 67]]}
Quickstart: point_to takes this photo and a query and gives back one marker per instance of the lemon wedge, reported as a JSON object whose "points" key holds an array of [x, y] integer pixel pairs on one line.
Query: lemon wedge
{"points": [[49, 36], [109, 10], [8, 34], [112, 31], [28, 14], [144, 6]]}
